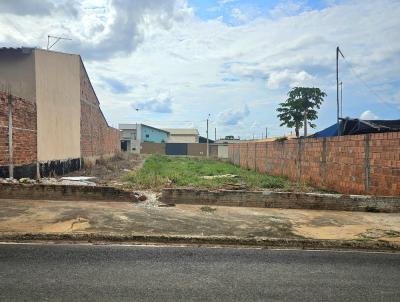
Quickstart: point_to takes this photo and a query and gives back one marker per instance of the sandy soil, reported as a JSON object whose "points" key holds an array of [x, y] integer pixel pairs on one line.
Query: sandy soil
{"points": [[112, 171], [24, 216]]}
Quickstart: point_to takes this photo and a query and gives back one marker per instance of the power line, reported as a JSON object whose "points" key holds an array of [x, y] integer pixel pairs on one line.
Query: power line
{"points": [[368, 87]]}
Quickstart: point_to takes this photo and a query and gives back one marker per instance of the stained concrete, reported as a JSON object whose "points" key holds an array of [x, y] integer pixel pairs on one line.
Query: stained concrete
{"points": [[26, 216]]}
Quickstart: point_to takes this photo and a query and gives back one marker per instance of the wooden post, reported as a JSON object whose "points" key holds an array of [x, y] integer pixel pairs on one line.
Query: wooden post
{"points": [[10, 138]]}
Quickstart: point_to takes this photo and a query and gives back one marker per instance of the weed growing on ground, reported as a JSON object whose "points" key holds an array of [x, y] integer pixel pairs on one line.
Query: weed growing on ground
{"points": [[159, 171], [208, 209]]}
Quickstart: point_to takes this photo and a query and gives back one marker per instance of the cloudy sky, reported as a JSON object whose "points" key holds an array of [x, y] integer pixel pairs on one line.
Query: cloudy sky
{"points": [[180, 60]]}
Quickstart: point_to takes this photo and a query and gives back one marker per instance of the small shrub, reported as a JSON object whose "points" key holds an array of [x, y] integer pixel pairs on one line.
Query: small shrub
{"points": [[208, 209], [371, 209], [281, 139]]}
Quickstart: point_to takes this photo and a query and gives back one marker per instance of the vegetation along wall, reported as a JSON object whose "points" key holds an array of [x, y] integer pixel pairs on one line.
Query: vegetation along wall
{"points": [[358, 164]]}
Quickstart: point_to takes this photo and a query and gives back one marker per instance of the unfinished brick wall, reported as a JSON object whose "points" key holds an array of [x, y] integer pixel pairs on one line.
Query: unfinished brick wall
{"points": [[24, 132], [97, 138], [357, 164]]}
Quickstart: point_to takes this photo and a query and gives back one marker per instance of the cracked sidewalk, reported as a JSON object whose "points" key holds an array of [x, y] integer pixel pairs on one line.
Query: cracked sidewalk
{"points": [[123, 218]]}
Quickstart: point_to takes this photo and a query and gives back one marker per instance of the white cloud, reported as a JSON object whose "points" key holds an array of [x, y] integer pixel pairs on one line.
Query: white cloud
{"points": [[239, 15], [287, 8], [368, 115], [211, 67], [223, 2], [286, 77], [232, 117], [160, 104]]}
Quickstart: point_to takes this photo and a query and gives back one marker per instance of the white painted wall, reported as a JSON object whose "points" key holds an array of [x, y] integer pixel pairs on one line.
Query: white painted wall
{"points": [[223, 151], [183, 138]]}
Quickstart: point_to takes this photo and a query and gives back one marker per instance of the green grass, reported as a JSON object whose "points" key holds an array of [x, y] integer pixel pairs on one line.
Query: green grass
{"points": [[159, 171]]}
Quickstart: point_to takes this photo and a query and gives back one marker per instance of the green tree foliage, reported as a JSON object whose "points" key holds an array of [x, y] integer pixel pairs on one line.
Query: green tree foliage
{"points": [[300, 108]]}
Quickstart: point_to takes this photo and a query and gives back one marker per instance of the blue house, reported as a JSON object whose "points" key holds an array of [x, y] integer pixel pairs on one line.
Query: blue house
{"points": [[152, 135], [133, 135]]}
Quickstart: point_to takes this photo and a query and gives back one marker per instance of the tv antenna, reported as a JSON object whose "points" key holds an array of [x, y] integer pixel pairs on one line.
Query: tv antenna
{"points": [[57, 39]]}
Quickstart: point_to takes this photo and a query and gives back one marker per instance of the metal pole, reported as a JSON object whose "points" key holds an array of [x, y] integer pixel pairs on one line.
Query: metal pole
{"points": [[10, 139], [266, 132], [207, 137], [341, 99], [337, 90], [215, 136]]}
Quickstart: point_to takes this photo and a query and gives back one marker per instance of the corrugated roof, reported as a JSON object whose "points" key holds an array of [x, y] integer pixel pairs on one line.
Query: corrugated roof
{"points": [[25, 50], [182, 131]]}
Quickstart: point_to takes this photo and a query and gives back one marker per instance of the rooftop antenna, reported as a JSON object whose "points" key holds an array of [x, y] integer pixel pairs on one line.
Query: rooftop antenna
{"points": [[57, 39]]}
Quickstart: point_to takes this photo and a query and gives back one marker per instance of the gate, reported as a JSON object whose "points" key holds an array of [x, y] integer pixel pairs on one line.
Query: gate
{"points": [[176, 149]]}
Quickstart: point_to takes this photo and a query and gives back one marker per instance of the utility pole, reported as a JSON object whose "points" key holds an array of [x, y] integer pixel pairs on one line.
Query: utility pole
{"points": [[137, 141], [266, 132], [207, 137], [341, 99], [215, 134], [337, 88]]}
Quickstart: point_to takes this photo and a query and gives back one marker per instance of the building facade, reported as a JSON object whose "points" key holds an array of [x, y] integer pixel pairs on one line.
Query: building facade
{"points": [[134, 135], [181, 135], [51, 121]]}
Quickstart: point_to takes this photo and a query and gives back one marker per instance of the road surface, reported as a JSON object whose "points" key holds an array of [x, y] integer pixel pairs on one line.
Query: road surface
{"points": [[137, 273]]}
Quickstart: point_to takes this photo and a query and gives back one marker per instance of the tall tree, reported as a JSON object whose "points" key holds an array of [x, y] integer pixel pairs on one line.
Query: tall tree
{"points": [[300, 108]]}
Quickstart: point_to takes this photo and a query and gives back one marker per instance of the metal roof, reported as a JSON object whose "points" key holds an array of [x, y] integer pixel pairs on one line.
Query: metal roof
{"points": [[182, 131], [24, 50]]}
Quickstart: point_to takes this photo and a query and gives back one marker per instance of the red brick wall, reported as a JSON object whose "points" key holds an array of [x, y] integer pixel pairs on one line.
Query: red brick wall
{"points": [[24, 131], [357, 164], [97, 138]]}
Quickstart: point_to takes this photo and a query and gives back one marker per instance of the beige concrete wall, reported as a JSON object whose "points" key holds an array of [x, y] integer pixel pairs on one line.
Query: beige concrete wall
{"points": [[223, 151], [58, 105], [17, 73], [175, 138]]}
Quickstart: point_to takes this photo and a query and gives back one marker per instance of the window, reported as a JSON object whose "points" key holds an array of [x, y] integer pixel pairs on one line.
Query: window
{"points": [[147, 136]]}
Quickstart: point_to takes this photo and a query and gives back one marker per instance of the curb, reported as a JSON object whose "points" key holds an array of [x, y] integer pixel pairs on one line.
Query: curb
{"points": [[282, 200], [264, 242]]}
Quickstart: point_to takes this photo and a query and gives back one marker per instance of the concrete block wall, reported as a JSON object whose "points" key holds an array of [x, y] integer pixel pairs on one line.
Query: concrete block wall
{"points": [[153, 148], [24, 135], [283, 200], [64, 192], [357, 164]]}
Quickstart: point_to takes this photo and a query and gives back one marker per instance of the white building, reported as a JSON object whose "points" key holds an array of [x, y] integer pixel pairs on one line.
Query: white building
{"points": [[181, 135], [134, 135]]}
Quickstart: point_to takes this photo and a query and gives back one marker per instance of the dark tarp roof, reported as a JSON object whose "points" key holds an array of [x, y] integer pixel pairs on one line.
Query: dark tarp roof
{"points": [[350, 126], [203, 140]]}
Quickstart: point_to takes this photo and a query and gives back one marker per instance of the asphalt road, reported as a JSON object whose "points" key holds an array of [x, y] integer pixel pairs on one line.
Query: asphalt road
{"points": [[129, 273]]}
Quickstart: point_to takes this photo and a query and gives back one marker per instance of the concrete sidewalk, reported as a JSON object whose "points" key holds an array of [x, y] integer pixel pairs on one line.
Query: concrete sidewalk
{"points": [[121, 218]]}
